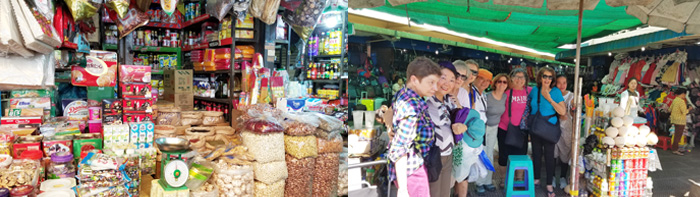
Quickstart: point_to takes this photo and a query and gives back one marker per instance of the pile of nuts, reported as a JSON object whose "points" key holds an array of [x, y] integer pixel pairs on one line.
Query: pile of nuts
{"points": [[299, 182], [326, 174], [301, 146]]}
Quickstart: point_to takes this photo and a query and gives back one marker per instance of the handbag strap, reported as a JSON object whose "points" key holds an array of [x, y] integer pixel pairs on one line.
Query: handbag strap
{"points": [[510, 103]]}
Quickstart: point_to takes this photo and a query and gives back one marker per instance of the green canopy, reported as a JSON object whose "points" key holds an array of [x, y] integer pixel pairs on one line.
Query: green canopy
{"points": [[537, 28]]}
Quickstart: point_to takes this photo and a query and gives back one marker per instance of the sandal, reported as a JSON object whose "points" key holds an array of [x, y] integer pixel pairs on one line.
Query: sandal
{"points": [[678, 153]]}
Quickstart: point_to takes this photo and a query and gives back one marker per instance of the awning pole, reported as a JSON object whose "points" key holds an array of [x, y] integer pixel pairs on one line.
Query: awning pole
{"points": [[577, 98]]}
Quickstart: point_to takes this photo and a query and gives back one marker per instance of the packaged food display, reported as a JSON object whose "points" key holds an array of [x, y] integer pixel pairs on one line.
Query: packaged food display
{"points": [[137, 117], [235, 181], [137, 105], [26, 143], [58, 144], [138, 91], [299, 183], [212, 117], [75, 109], [28, 103], [21, 172], [299, 128], [270, 172], [134, 19], [301, 146], [134, 73], [31, 93], [333, 143], [264, 147], [168, 116], [326, 174], [275, 189], [61, 166]]}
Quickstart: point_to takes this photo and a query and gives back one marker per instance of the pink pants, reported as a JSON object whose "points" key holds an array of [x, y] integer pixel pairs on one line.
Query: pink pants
{"points": [[417, 183]]}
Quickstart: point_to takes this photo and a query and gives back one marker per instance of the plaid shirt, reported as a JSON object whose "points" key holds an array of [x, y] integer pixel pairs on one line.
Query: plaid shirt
{"points": [[413, 130]]}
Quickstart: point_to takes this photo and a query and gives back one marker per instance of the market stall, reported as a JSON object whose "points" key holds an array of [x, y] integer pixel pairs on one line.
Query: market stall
{"points": [[186, 98]]}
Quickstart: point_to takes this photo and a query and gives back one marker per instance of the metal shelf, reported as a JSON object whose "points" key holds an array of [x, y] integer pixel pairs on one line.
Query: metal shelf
{"points": [[227, 101]]}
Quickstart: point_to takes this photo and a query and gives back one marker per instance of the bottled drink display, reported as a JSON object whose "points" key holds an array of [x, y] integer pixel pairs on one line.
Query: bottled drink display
{"points": [[323, 70], [192, 10], [326, 43], [157, 38]]}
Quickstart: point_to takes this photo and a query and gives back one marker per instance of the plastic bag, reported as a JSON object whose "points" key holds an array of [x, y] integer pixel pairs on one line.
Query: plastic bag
{"points": [[270, 172], [270, 190], [168, 6], [212, 118], [168, 116], [263, 126], [301, 124], [200, 171], [218, 8], [240, 7], [83, 9], [343, 177], [301, 146], [133, 19], [326, 174], [303, 19], [114, 191], [329, 123], [264, 147], [299, 183], [265, 10], [331, 144], [121, 7]]}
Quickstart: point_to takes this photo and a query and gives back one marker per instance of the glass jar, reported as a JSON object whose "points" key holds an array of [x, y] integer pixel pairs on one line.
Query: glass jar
{"points": [[61, 166]]}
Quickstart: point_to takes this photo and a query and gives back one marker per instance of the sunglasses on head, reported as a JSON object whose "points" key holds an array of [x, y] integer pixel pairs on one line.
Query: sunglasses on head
{"points": [[547, 76]]}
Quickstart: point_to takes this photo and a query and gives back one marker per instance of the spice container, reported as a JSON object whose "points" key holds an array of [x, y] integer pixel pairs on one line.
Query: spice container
{"points": [[61, 166], [23, 191]]}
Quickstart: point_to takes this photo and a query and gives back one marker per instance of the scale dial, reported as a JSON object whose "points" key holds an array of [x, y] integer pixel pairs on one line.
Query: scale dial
{"points": [[176, 173]]}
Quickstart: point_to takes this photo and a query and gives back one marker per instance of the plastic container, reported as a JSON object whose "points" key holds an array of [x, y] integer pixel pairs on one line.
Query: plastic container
{"points": [[5, 161], [61, 166], [4, 192], [23, 191], [239, 182], [199, 174]]}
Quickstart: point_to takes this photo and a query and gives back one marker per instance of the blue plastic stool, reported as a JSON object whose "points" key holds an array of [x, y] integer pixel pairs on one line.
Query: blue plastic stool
{"points": [[520, 162]]}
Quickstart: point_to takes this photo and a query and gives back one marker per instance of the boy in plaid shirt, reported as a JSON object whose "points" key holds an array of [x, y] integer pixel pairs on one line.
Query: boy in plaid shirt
{"points": [[413, 129]]}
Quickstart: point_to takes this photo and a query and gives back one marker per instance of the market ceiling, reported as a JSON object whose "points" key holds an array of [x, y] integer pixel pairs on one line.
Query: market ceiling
{"points": [[540, 29]]}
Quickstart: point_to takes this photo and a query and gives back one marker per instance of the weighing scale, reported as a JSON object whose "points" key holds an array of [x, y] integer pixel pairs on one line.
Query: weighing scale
{"points": [[173, 173]]}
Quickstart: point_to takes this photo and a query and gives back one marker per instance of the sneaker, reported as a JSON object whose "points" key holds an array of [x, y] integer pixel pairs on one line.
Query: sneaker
{"points": [[562, 183], [480, 190], [490, 187]]}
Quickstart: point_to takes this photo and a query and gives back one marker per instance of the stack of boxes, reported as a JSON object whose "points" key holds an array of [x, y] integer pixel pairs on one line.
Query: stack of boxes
{"points": [[178, 88], [135, 91]]}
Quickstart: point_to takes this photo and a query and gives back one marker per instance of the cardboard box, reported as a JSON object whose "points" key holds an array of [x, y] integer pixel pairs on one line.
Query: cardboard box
{"points": [[99, 93], [183, 100], [177, 81]]}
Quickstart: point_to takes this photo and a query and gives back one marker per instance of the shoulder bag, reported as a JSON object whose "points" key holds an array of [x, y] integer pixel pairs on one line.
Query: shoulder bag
{"points": [[541, 127], [515, 136]]}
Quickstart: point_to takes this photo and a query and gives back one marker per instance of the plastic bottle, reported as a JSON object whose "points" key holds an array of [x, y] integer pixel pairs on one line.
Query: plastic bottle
{"points": [[322, 44]]}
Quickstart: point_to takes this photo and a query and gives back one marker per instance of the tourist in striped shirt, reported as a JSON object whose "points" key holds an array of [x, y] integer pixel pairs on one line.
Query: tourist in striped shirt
{"points": [[413, 129]]}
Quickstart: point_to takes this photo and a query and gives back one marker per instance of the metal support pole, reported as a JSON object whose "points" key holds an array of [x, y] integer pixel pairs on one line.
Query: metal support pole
{"points": [[577, 129]]}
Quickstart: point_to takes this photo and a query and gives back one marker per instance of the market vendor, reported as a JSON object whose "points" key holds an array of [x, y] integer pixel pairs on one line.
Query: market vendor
{"points": [[413, 129], [629, 99]]}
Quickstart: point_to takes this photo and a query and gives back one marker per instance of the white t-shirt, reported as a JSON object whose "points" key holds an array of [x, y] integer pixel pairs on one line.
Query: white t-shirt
{"points": [[479, 104]]}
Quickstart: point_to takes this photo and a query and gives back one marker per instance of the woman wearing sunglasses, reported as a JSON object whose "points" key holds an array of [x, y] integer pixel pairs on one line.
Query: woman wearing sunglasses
{"points": [[496, 107], [549, 102], [516, 102]]}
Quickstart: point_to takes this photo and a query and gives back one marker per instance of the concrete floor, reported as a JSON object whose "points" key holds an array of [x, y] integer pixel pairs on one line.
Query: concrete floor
{"points": [[673, 180]]}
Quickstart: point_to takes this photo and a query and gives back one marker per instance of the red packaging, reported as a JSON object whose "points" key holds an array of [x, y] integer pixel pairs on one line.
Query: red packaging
{"points": [[18, 148], [135, 90], [137, 117], [100, 70], [20, 121], [135, 73], [112, 119], [223, 66], [137, 105], [111, 106]]}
